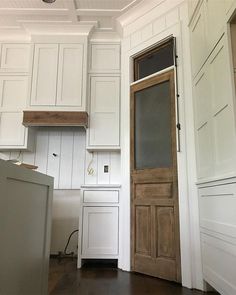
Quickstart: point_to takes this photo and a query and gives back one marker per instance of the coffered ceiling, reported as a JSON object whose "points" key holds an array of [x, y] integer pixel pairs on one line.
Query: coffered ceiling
{"points": [[22, 14]]}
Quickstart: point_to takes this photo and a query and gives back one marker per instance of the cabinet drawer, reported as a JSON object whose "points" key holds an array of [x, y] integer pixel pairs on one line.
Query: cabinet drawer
{"points": [[101, 196]]}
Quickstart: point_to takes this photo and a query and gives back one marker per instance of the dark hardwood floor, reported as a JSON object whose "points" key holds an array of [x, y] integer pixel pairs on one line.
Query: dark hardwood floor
{"points": [[66, 279]]}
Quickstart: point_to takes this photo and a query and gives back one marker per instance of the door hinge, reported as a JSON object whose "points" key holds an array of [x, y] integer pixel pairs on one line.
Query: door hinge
{"points": [[178, 126]]}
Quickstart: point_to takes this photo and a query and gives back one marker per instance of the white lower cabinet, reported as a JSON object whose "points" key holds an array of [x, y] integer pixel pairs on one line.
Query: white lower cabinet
{"points": [[100, 232], [99, 223]]}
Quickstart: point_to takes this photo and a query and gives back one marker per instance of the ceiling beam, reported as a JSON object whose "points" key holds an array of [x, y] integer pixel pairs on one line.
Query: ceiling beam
{"points": [[98, 12]]}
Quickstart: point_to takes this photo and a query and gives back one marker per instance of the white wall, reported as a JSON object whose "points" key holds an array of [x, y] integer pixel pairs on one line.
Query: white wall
{"points": [[69, 169], [214, 104], [143, 27], [65, 219]]}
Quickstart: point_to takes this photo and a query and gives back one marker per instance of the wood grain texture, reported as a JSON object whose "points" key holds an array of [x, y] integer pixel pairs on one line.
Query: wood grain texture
{"points": [[165, 232], [143, 230], [153, 190], [157, 190], [54, 118]]}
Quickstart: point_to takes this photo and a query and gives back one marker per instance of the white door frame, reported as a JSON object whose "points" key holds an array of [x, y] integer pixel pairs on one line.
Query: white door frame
{"points": [[188, 202]]}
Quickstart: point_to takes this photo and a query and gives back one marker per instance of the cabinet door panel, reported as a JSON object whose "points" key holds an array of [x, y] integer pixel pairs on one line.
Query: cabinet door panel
{"points": [[70, 75], [15, 57], [104, 111], [13, 91], [44, 82], [12, 132], [100, 231], [105, 58]]}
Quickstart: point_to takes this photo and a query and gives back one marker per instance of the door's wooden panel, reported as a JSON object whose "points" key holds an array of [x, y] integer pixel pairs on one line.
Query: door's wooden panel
{"points": [[161, 267], [143, 230], [153, 190], [155, 225], [165, 232]]}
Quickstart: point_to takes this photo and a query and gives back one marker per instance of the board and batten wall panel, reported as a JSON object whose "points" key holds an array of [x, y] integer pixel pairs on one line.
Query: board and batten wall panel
{"points": [[60, 152], [95, 161], [218, 235]]}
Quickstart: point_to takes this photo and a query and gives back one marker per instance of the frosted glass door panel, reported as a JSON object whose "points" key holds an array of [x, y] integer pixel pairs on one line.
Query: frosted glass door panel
{"points": [[153, 127]]}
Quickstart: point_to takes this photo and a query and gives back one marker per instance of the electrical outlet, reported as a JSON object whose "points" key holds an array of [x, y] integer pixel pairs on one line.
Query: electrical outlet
{"points": [[106, 168]]}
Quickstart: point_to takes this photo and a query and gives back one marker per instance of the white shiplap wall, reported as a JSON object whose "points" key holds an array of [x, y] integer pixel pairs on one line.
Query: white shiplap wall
{"points": [[69, 166]]}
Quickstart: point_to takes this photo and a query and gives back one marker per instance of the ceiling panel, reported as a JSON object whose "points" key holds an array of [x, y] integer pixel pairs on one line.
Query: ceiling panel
{"points": [[15, 13]]}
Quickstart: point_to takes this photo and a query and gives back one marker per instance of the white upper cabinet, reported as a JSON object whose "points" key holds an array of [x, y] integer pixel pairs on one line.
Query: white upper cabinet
{"points": [[12, 132], [15, 57], [105, 58], [13, 135], [70, 75], [198, 41], [104, 111], [58, 77], [13, 92], [104, 98], [44, 81]]}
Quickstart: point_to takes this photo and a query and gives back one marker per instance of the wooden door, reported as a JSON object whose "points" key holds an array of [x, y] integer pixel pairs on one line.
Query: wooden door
{"points": [[155, 221]]}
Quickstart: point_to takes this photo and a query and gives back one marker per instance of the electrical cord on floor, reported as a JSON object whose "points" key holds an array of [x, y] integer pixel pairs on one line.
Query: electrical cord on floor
{"points": [[68, 241], [64, 254]]}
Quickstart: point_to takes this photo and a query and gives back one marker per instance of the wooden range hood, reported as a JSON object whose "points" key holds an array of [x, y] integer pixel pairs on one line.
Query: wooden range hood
{"points": [[54, 118]]}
